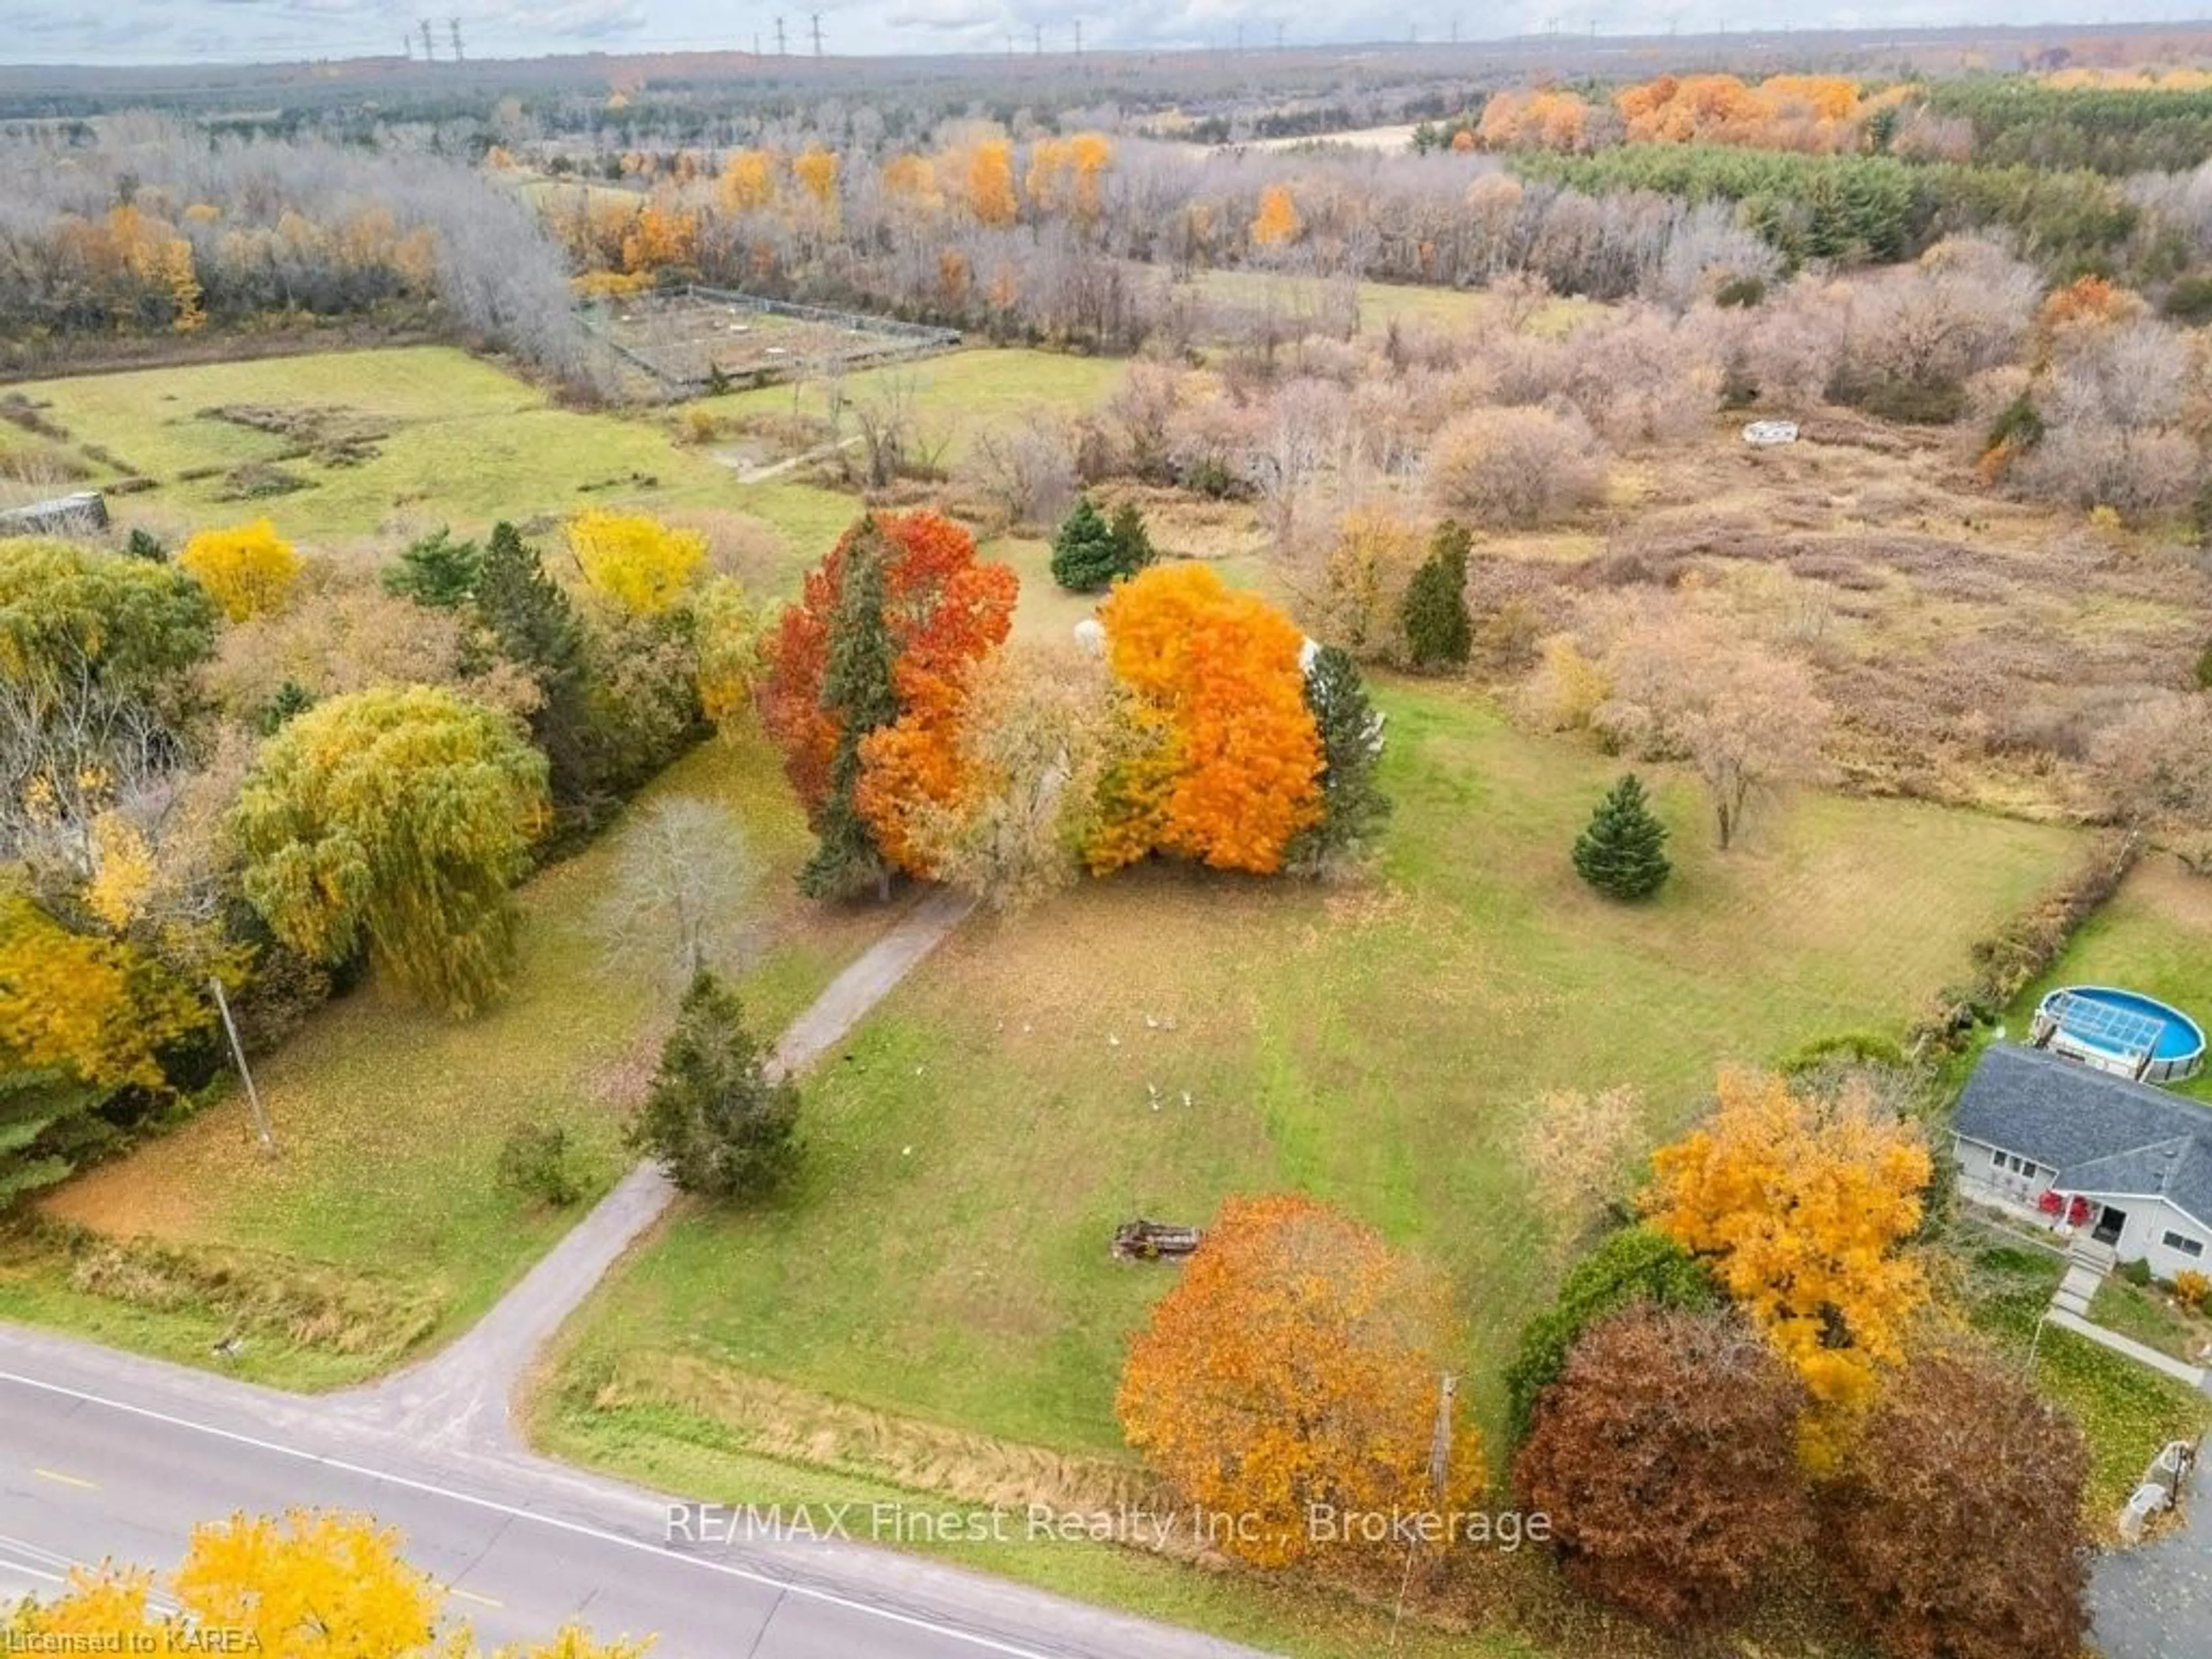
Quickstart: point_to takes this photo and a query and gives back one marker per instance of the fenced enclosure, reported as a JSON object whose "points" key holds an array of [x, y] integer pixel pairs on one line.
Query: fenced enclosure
{"points": [[697, 339]]}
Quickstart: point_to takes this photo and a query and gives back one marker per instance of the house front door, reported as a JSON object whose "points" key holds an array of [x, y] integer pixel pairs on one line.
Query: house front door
{"points": [[2109, 1222]]}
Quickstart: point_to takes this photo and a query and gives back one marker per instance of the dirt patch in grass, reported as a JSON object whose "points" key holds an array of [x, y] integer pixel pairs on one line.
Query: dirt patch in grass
{"points": [[330, 435]]}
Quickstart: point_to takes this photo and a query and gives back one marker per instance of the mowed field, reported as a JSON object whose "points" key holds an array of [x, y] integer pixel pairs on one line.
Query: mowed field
{"points": [[1147, 1045], [385, 445], [389, 1118]]}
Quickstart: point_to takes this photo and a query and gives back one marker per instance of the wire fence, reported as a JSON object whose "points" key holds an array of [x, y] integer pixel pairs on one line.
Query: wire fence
{"points": [[872, 339]]}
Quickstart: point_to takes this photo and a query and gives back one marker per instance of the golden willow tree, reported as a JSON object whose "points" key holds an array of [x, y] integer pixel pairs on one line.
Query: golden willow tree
{"points": [[397, 820]]}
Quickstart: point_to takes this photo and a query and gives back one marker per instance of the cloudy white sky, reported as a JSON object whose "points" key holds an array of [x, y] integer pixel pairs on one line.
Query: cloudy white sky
{"points": [[158, 31]]}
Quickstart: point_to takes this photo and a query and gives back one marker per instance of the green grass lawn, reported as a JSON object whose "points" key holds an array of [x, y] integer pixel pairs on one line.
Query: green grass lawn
{"points": [[945, 1255], [2126, 1411], [2154, 936], [956, 394], [2149, 1316], [467, 443], [389, 1118]]}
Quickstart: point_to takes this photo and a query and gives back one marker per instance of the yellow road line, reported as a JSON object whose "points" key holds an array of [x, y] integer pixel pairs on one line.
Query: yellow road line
{"points": [[66, 1480]]}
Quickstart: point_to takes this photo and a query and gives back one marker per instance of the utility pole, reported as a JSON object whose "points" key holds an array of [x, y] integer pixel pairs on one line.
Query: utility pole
{"points": [[817, 17], [429, 56], [453, 25], [780, 49], [238, 1053], [756, 43]]}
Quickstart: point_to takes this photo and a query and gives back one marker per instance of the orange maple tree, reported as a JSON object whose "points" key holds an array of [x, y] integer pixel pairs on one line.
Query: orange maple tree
{"points": [[1296, 1363], [1230, 771], [944, 608]]}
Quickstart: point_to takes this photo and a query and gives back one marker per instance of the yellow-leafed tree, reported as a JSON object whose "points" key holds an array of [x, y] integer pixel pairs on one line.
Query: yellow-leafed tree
{"points": [[317, 1585], [1277, 223], [248, 569], [643, 565], [100, 1009], [1803, 1209]]}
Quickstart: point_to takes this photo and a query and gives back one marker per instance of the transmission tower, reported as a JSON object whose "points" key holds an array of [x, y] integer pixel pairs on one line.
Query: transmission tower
{"points": [[407, 47], [781, 51], [1078, 37], [1037, 39], [429, 56], [1454, 31], [817, 17], [1240, 36], [453, 27], [1278, 37]]}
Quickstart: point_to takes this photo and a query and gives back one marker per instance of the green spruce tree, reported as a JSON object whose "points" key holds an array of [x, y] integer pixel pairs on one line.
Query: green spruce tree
{"points": [[1623, 851], [858, 693], [1439, 633], [1132, 543], [714, 1120], [436, 572], [535, 627], [1353, 806], [1083, 557]]}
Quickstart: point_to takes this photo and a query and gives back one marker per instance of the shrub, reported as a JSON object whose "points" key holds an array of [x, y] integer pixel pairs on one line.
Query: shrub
{"points": [[1741, 292], [2137, 1273], [1514, 468], [1635, 1265], [534, 1164], [144, 544], [2191, 1288], [2189, 301], [248, 569]]}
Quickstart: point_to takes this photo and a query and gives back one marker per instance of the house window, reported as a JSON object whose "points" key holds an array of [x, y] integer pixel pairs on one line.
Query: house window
{"points": [[2014, 1164], [1999, 1158], [2185, 1243]]}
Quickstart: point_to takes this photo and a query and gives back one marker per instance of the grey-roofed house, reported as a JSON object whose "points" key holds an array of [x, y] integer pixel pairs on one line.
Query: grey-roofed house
{"points": [[2045, 1137]]}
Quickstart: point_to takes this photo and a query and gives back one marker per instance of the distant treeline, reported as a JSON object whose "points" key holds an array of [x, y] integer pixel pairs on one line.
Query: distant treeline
{"points": [[1857, 208], [2020, 122]]}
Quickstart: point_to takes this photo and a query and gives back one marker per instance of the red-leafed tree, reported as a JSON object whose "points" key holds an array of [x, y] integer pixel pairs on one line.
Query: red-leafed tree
{"points": [[942, 610]]}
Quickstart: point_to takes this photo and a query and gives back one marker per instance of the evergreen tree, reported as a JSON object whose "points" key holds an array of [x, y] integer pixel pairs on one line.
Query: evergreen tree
{"points": [[1353, 805], [1439, 633], [1084, 555], [286, 703], [537, 629], [717, 1124], [1132, 543], [856, 687], [1623, 851], [436, 572]]}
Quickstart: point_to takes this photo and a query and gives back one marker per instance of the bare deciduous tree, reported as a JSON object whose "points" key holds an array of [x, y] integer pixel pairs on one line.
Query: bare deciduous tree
{"points": [[1693, 688], [678, 903], [1577, 1149]]}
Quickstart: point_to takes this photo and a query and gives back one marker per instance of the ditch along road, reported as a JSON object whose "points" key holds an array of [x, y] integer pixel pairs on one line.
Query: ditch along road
{"points": [[108, 1455]]}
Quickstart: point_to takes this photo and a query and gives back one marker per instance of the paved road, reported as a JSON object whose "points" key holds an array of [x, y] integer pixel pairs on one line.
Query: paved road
{"points": [[109, 1456], [105, 1454], [2156, 1602]]}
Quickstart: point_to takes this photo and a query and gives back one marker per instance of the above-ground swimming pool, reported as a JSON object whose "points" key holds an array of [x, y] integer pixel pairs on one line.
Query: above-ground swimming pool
{"points": [[2121, 1031]]}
